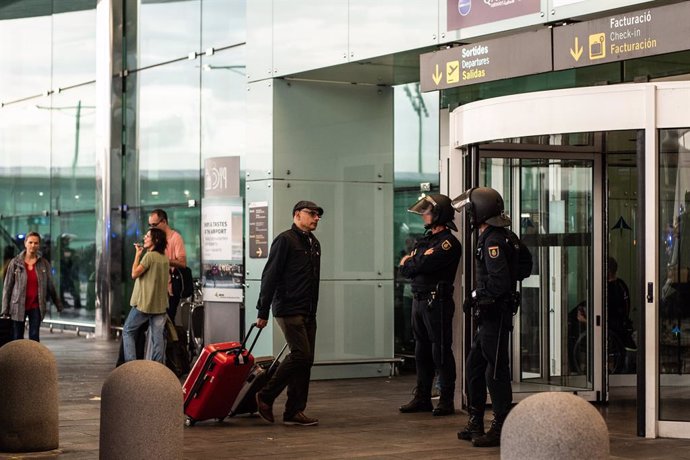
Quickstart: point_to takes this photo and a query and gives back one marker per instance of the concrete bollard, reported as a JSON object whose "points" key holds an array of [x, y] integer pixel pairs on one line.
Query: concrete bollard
{"points": [[29, 420], [141, 413], [554, 425]]}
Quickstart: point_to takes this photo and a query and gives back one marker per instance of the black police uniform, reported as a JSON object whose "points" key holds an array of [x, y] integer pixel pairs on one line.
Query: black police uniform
{"points": [[432, 269], [488, 360]]}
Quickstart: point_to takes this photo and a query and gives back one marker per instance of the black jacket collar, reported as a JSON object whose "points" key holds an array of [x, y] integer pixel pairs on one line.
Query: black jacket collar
{"points": [[300, 232]]}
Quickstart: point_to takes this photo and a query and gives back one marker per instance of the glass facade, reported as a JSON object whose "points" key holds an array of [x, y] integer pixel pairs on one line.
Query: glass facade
{"points": [[47, 148], [554, 201], [674, 269], [185, 102], [416, 154]]}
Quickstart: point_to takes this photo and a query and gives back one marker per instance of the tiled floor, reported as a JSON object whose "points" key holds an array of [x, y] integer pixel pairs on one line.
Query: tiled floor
{"points": [[358, 419]]}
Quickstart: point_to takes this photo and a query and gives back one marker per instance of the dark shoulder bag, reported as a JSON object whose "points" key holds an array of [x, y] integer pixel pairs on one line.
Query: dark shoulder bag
{"points": [[182, 282]]}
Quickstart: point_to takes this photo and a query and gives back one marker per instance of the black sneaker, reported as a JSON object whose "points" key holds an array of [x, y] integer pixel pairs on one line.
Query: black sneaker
{"points": [[417, 405], [300, 419], [473, 429], [492, 438]]}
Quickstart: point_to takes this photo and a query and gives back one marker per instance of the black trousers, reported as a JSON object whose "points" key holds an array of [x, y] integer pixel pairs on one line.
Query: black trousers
{"points": [[488, 365], [295, 371], [432, 327]]}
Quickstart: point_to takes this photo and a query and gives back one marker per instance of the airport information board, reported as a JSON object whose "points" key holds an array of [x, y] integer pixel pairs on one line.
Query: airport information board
{"points": [[660, 30], [642, 33], [522, 54]]}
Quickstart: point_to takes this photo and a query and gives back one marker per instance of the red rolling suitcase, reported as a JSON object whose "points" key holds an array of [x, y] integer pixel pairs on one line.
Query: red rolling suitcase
{"points": [[216, 379]]}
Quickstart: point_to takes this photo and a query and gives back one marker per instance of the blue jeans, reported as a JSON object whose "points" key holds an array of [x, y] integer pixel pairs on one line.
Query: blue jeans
{"points": [[156, 327], [34, 316]]}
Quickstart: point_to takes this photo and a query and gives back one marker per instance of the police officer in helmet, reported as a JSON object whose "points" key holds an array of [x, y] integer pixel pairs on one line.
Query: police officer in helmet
{"points": [[490, 304], [431, 266]]}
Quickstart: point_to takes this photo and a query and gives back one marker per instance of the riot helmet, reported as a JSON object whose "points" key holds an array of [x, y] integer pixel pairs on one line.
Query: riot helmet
{"points": [[484, 205], [440, 208]]}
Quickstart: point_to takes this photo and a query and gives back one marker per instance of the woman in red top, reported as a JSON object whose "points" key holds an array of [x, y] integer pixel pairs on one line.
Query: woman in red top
{"points": [[28, 283]]}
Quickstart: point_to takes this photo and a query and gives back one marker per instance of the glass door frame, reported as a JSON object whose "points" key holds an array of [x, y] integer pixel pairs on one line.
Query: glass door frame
{"points": [[537, 152], [640, 106]]}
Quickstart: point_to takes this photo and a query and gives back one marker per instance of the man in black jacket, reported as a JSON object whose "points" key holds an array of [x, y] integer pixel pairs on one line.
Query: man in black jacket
{"points": [[290, 287]]}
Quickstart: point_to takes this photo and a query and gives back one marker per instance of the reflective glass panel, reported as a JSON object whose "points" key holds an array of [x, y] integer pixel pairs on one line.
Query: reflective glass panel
{"points": [[674, 269], [163, 154], [73, 256], [74, 42], [73, 186], [25, 48], [416, 140], [223, 103], [555, 320], [160, 31], [25, 157], [623, 288], [223, 23], [73, 152], [24, 175], [166, 166]]}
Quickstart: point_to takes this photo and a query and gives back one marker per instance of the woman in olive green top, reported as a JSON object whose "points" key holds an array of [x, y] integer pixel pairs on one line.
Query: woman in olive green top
{"points": [[150, 295]]}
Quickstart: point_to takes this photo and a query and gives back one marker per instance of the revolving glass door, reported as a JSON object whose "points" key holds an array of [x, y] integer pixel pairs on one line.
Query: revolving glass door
{"points": [[552, 204]]}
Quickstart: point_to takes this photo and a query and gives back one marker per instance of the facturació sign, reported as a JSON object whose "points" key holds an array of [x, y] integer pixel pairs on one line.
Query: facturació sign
{"points": [[637, 34]]}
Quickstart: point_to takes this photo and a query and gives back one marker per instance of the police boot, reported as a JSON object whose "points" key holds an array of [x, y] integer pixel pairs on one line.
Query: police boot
{"points": [[444, 407], [492, 438], [473, 429], [417, 405]]}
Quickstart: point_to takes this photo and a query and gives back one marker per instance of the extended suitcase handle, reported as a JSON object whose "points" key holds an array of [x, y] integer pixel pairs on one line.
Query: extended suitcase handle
{"points": [[246, 337]]}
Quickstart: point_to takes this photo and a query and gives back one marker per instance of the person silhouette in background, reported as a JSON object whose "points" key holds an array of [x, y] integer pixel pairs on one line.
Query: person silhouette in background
{"points": [[69, 280], [618, 307]]}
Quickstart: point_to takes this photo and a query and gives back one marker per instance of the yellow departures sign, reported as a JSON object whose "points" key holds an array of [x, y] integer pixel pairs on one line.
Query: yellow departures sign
{"points": [[526, 53]]}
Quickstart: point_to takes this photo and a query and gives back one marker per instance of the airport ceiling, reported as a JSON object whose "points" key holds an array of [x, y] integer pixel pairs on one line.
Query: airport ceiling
{"points": [[394, 69]]}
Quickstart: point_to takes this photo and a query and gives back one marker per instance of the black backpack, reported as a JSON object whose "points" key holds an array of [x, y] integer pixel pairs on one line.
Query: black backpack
{"points": [[176, 351], [521, 263], [182, 282]]}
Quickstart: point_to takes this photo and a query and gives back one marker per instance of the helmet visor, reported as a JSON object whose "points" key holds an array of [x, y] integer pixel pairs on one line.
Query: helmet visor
{"points": [[423, 206], [462, 200]]}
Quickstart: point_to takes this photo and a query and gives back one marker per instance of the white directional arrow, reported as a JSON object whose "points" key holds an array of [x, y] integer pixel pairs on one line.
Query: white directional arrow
{"points": [[437, 76], [577, 52]]}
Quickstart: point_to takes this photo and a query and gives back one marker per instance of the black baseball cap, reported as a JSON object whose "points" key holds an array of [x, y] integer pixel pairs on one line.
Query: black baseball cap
{"points": [[307, 205]]}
